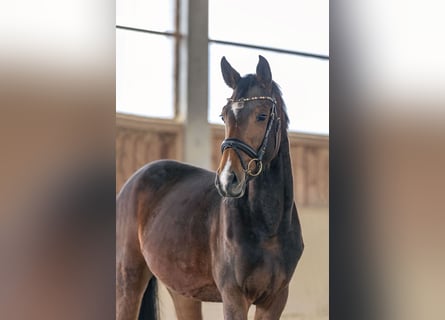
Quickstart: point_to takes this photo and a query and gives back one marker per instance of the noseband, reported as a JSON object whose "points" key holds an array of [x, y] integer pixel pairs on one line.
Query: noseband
{"points": [[257, 156]]}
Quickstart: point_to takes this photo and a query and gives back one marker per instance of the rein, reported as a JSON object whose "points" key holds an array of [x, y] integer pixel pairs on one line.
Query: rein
{"points": [[237, 145]]}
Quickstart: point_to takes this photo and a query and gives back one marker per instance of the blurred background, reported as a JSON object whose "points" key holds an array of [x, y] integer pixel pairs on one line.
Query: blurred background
{"points": [[170, 92]]}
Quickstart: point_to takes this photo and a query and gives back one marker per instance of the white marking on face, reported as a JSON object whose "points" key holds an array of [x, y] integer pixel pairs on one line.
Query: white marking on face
{"points": [[224, 176], [236, 107]]}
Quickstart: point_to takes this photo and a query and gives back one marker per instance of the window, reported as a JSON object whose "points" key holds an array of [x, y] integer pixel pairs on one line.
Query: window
{"points": [[293, 36], [146, 40]]}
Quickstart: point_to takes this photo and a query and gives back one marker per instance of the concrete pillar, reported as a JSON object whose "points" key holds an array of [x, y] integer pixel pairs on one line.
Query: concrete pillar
{"points": [[193, 102]]}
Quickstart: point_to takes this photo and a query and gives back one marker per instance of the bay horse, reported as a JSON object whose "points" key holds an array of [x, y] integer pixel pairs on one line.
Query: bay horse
{"points": [[232, 237]]}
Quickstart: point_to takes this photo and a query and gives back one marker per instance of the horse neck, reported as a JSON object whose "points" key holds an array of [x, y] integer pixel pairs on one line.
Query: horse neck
{"points": [[270, 195]]}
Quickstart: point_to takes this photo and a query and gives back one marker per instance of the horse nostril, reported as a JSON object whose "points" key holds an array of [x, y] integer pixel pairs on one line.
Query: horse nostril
{"points": [[234, 179]]}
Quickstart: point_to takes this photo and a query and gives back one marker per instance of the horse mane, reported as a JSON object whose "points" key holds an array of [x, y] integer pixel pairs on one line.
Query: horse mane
{"points": [[249, 81]]}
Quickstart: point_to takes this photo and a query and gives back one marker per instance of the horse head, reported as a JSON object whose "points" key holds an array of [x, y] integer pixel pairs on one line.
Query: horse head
{"points": [[252, 119]]}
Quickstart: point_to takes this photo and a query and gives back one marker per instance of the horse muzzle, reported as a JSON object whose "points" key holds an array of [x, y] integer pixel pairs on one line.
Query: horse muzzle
{"points": [[228, 183], [231, 190]]}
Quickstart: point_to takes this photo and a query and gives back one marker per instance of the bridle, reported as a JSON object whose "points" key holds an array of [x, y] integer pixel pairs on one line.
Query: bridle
{"points": [[256, 161]]}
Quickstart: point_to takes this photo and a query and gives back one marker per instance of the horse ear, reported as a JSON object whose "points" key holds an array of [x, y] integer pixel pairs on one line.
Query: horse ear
{"points": [[230, 75], [263, 73]]}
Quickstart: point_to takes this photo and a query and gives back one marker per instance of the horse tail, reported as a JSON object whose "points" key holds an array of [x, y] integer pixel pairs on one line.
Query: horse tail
{"points": [[150, 304]]}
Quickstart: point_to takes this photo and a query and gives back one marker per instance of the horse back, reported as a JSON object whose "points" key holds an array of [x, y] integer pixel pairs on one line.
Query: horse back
{"points": [[162, 184]]}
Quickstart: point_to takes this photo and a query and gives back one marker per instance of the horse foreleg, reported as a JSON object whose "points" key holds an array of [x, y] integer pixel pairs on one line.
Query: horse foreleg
{"points": [[186, 309], [273, 307], [235, 304]]}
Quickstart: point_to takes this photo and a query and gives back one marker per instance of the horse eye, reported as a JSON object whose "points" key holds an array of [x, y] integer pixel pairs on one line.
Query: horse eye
{"points": [[261, 117], [222, 117]]}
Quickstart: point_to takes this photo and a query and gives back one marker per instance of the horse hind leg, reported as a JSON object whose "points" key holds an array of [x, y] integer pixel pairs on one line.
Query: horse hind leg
{"points": [[132, 273], [186, 308], [132, 277]]}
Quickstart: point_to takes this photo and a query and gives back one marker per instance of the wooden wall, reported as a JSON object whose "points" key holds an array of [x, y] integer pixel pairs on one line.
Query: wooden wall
{"points": [[141, 140]]}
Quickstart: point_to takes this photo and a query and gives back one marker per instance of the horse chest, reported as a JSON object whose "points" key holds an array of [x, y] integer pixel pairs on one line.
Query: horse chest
{"points": [[259, 270]]}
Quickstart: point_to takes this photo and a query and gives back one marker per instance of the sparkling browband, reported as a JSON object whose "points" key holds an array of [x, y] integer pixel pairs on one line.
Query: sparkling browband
{"points": [[253, 98]]}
